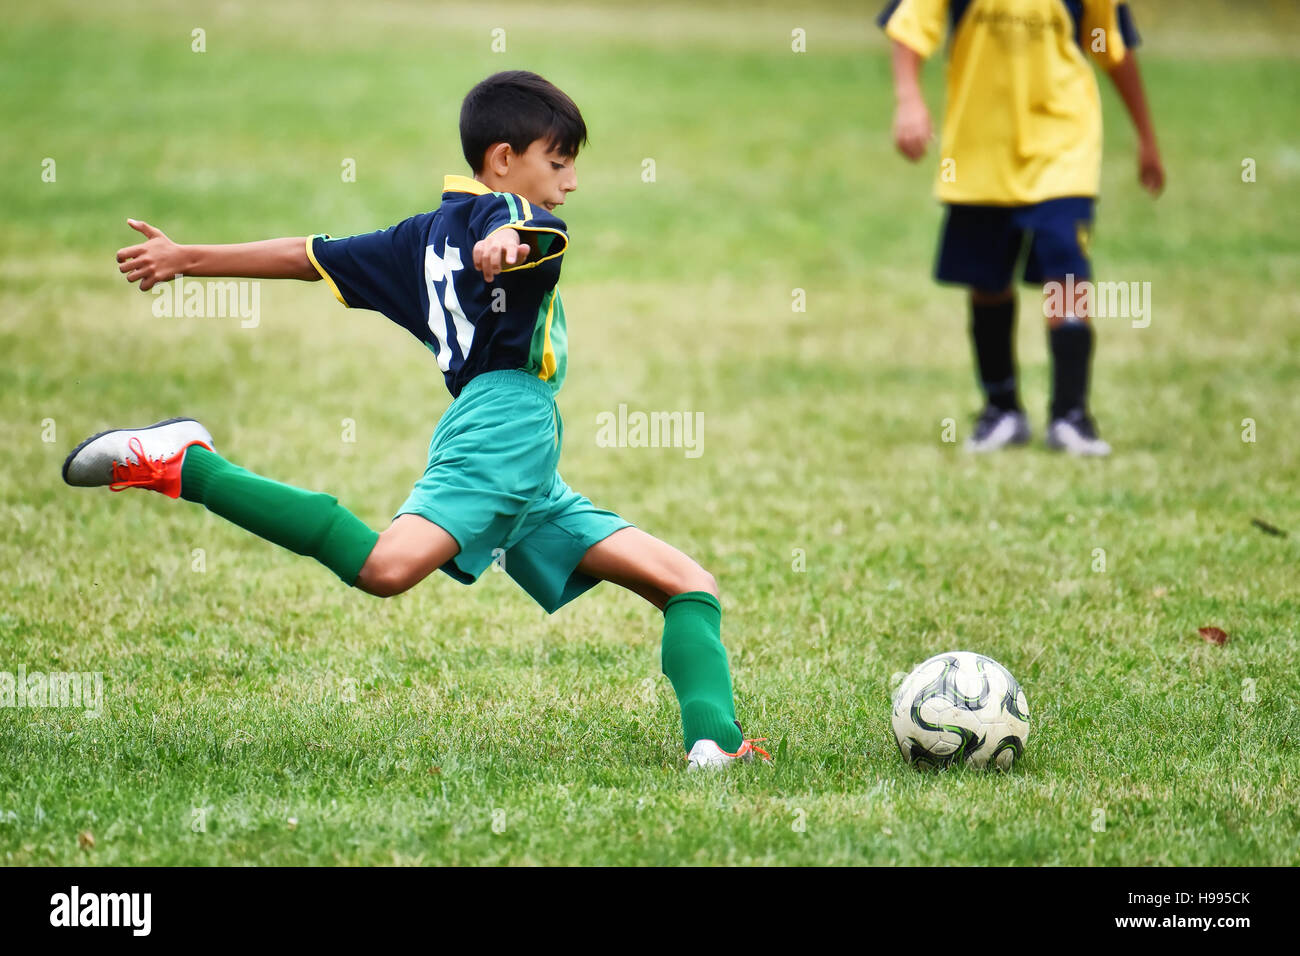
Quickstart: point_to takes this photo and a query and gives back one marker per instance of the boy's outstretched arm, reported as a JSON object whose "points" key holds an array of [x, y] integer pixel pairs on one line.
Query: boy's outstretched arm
{"points": [[912, 128], [1128, 82], [158, 259]]}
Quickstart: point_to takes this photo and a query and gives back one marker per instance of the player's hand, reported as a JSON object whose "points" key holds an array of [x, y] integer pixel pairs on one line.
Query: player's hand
{"points": [[498, 251], [1151, 172], [157, 259], [912, 128]]}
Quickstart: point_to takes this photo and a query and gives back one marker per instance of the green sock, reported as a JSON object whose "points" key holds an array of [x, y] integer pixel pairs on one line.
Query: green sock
{"points": [[695, 661], [305, 522]]}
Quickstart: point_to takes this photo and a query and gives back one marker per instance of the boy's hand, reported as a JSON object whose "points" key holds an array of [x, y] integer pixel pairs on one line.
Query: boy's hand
{"points": [[912, 128], [1151, 173], [502, 248], [158, 259]]}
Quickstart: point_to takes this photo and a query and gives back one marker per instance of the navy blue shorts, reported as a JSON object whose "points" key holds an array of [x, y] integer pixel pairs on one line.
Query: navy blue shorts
{"points": [[981, 244]]}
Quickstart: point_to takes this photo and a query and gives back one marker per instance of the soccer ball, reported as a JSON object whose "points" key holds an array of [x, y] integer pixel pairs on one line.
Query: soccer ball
{"points": [[961, 706]]}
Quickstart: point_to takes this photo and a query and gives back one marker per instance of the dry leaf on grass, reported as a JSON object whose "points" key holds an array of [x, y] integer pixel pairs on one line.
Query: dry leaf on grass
{"points": [[1215, 635]]}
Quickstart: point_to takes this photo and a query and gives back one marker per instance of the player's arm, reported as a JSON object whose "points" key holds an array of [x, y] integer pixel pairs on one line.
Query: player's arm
{"points": [[912, 127], [499, 251], [915, 29], [516, 235], [158, 259], [1112, 37], [1128, 82]]}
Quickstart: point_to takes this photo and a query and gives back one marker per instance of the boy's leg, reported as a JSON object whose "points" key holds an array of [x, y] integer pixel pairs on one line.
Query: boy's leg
{"points": [[1070, 337], [572, 545], [309, 523], [693, 657], [992, 331], [647, 566], [993, 321], [1058, 259], [176, 459], [406, 553], [316, 525], [978, 249]]}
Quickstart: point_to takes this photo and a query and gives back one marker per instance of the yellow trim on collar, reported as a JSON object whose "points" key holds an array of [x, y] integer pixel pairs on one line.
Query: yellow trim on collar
{"points": [[463, 184]]}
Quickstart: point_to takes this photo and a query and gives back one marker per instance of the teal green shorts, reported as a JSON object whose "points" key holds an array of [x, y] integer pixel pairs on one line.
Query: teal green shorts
{"points": [[492, 484]]}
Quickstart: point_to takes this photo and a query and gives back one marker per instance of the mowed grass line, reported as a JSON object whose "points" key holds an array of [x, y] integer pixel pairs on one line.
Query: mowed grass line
{"points": [[464, 726]]}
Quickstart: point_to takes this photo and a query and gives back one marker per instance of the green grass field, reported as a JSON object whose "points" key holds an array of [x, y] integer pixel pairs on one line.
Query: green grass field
{"points": [[255, 712]]}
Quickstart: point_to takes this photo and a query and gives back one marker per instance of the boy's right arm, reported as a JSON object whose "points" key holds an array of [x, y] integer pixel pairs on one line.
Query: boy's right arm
{"points": [[912, 127], [915, 29], [158, 259]]}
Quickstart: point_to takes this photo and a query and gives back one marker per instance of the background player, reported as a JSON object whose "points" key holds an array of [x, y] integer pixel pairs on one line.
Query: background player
{"points": [[1020, 166]]}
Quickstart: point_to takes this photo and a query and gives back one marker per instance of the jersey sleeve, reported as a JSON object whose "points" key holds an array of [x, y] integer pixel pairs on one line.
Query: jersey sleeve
{"points": [[1127, 28], [547, 234], [917, 24], [376, 270], [1108, 32]]}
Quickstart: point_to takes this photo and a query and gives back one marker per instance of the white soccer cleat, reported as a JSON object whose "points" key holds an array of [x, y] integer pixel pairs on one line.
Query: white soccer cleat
{"points": [[147, 457], [998, 428], [1076, 434], [707, 755]]}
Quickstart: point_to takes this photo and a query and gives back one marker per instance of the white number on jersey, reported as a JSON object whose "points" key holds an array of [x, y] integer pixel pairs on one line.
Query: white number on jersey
{"points": [[441, 269]]}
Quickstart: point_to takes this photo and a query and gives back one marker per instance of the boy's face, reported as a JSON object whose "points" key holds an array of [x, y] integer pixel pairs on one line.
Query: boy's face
{"points": [[540, 175]]}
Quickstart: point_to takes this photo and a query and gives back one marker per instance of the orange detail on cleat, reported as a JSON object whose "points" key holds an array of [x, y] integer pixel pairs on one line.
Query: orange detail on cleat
{"points": [[157, 475], [747, 746], [746, 750]]}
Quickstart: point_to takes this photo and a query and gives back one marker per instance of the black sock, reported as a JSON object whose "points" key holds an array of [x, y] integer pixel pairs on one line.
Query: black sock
{"points": [[1071, 343], [992, 329]]}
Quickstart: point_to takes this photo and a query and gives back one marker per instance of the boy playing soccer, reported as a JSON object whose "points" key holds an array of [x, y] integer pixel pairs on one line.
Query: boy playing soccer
{"points": [[1021, 165], [475, 282]]}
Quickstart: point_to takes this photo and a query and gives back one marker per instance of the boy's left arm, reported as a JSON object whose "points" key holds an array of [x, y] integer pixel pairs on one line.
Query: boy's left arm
{"points": [[1128, 81], [498, 251], [515, 235], [1110, 37]]}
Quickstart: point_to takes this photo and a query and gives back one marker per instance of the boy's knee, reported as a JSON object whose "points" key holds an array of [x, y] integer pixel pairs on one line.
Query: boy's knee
{"points": [[709, 583], [697, 579], [991, 296], [384, 578]]}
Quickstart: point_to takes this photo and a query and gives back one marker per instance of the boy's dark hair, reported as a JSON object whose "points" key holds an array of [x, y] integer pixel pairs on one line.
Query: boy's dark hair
{"points": [[518, 107]]}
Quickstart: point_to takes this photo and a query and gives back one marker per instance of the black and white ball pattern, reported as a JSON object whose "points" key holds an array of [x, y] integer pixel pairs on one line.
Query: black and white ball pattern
{"points": [[959, 706]]}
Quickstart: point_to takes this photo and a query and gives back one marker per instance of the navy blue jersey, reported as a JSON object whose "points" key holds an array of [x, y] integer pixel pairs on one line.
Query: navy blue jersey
{"points": [[420, 273]]}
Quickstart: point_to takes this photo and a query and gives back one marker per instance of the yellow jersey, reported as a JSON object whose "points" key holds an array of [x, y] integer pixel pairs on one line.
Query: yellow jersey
{"points": [[1023, 117]]}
